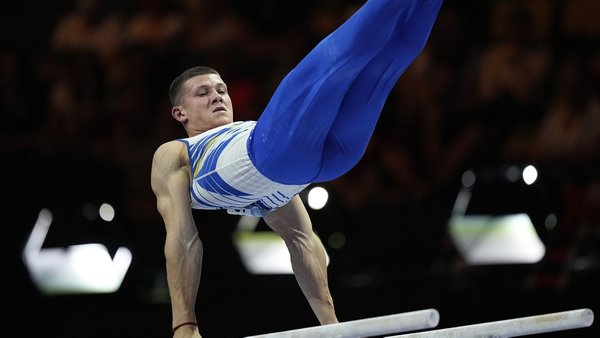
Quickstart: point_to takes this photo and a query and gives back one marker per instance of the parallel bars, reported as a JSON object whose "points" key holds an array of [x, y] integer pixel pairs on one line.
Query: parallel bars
{"points": [[368, 327], [424, 319], [558, 321]]}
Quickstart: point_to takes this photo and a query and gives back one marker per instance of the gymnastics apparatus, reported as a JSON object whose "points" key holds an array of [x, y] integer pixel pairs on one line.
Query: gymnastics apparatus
{"points": [[427, 319]]}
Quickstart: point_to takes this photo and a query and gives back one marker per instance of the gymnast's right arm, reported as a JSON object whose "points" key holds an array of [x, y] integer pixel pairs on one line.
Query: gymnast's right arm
{"points": [[183, 248]]}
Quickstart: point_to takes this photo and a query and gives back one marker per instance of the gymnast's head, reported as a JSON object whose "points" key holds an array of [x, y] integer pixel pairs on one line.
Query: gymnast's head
{"points": [[200, 100]]}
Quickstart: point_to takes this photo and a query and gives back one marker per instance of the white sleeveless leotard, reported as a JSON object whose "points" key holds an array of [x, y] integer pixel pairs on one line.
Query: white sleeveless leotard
{"points": [[223, 176]]}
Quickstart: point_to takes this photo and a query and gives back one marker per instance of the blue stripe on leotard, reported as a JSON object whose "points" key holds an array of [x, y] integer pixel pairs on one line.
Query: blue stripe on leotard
{"points": [[223, 177]]}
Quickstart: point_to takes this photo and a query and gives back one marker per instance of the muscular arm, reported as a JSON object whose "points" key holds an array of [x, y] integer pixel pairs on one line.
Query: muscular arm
{"points": [[307, 254], [183, 248]]}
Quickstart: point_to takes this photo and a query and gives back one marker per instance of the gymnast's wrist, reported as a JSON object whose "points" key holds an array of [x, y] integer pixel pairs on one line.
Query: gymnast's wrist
{"points": [[178, 326]]}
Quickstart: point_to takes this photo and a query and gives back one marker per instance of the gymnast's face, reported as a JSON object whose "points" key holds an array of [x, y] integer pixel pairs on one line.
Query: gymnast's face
{"points": [[205, 104]]}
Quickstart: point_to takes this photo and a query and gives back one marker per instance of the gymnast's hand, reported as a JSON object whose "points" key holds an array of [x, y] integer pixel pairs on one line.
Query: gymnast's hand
{"points": [[188, 331]]}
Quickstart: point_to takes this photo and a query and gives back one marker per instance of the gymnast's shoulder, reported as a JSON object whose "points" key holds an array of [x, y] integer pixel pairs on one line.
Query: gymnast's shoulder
{"points": [[171, 153]]}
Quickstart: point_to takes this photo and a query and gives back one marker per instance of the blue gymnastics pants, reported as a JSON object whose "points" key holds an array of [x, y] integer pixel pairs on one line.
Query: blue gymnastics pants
{"points": [[318, 123]]}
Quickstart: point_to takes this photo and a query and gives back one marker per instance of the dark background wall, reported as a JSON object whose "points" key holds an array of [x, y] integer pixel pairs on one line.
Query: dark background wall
{"points": [[83, 105]]}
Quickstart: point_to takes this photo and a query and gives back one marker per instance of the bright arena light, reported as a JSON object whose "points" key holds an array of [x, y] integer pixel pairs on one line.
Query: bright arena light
{"points": [[468, 178], [76, 269], [493, 239], [530, 174], [107, 212], [317, 198]]}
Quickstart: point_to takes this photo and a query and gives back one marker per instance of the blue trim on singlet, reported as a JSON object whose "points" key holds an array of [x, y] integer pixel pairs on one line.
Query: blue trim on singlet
{"points": [[206, 176], [200, 201], [262, 205]]}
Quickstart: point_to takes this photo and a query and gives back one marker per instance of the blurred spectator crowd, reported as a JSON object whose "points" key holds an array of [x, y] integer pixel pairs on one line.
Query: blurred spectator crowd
{"points": [[499, 82]]}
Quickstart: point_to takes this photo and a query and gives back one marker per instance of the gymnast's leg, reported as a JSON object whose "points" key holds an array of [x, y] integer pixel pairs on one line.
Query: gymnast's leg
{"points": [[321, 117]]}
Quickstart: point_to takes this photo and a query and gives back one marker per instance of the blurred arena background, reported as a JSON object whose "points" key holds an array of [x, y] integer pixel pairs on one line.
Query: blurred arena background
{"points": [[501, 85]]}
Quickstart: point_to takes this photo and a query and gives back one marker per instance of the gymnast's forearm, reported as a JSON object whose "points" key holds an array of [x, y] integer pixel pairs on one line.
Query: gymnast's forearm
{"points": [[307, 254], [310, 268], [184, 266]]}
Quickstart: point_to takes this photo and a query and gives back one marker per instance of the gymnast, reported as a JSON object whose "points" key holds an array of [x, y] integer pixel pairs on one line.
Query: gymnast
{"points": [[315, 128]]}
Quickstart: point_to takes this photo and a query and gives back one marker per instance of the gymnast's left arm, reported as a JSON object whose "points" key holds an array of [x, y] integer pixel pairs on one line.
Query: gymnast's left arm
{"points": [[183, 248], [308, 257]]}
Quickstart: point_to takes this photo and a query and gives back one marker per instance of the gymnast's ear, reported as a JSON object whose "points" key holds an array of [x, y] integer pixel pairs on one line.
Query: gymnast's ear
{"points": [[178, 113]]}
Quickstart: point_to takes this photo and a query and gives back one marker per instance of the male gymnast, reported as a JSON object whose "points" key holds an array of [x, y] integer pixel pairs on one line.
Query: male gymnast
{"points": [[315, 128]]}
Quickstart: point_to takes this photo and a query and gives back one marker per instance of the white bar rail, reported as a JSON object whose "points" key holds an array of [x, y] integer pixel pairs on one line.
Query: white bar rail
{"points": [[558, 321], [374, 326]]}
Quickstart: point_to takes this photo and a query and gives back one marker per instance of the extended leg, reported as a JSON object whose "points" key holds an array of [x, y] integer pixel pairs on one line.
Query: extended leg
{"points": [[329, 104]]}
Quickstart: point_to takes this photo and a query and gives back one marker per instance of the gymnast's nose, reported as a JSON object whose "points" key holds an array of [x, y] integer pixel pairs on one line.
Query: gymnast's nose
{"points": [[216, 97]]}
